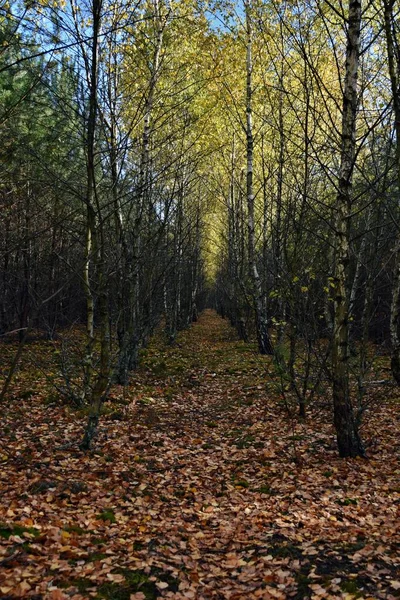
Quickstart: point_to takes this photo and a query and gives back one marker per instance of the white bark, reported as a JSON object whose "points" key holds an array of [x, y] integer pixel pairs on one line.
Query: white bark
{"points": [[349, 443]]}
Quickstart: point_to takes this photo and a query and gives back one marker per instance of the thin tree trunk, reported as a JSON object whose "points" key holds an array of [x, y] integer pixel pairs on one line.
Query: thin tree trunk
{"points": [[264, 342], [95, 256], [348, 439]]}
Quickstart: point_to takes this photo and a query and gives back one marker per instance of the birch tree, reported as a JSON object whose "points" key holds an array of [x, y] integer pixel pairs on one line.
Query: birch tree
{"points": [[348, 438], [264, 342]]}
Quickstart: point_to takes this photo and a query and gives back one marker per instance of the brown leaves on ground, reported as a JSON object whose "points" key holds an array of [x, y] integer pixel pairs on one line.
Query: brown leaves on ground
{"points": [[199, 486]]}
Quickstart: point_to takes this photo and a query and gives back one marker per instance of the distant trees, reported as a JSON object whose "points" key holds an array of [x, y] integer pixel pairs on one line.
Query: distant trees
{"points": [[39, 165]]}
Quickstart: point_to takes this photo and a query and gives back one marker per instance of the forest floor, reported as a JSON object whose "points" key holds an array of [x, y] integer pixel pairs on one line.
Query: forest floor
{"points": [[199, 485]]}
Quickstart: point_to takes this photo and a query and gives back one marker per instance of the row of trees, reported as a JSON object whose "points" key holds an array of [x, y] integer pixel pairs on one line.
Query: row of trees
{"points": [[311, 242], [101, 219]]}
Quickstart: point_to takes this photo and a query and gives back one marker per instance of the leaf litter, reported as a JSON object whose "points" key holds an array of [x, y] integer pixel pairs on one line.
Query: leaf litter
{"points": [[199, 486]]}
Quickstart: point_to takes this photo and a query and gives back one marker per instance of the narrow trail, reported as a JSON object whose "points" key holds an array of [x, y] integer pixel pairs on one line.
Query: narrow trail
{"points": [[205, 379], [199, 486]]}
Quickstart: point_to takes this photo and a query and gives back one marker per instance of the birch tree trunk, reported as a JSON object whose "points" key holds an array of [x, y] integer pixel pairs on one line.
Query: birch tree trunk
{"points": [[394, 68], [95, 280], [91, 245], [264, 342], [348, 439]]}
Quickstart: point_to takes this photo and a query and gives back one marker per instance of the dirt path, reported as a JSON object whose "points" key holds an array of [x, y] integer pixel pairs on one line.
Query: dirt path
{"points": [[199, 487]]}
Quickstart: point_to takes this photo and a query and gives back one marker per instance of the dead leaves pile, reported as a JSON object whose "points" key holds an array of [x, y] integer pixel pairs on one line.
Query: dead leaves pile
{"points": [[199, 486]]}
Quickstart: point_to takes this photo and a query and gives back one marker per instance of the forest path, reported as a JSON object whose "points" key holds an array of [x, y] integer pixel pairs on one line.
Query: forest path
{"points": [[207, 379], [199, 486]]}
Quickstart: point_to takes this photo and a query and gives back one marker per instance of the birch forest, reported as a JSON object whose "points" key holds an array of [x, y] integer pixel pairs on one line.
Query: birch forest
{"points": [[199, 299]]}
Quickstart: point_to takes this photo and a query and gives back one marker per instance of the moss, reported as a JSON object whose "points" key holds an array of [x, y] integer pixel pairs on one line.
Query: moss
{"points": [[303, 589], [350, 586], [263, 489], [98, 541], [244, 349], [107, 515], [327, 473], [106, 410], [347, 502], [117, 415], [75, 487], [138, 546], [351, 548], [284, 551], [25, 395], [233, 371], [74, 529], [95, 556], [7, 530], [120, 401], [135, 581], [157, 367], [244, 442], [242, 483], [39, 487], [82, 584]]}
